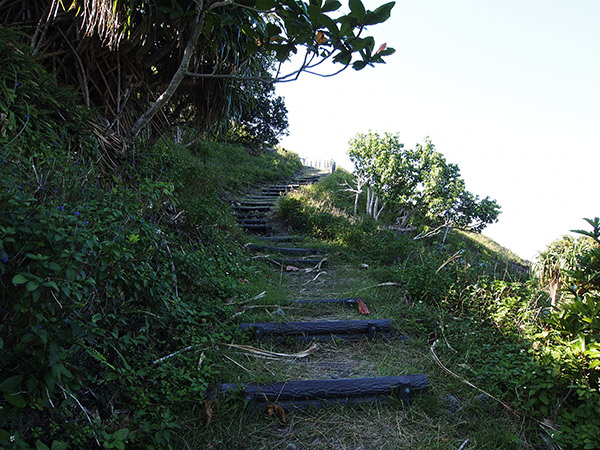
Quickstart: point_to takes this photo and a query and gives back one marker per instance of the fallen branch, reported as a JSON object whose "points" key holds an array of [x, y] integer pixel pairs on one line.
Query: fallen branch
{"points": [[65, 392], [245, 308], [464, 444], [389, 283], [189, 347], [452, 258], [237, 363], [317, 276], [260, 353]]}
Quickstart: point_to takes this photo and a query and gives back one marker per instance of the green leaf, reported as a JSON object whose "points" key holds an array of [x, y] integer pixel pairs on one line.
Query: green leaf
{"points": [[32, 285], [121, 435], [388, 51], [357, 10], [273, 30], [265, 5], [381, 14], [330, 24], [314, 14], [359, 65], [60, 445], [51, 284], [331, 5], [19, 279], [39, 445], [4, 435], [18, 401], [11, 384], [71, 275], [54, 266]]}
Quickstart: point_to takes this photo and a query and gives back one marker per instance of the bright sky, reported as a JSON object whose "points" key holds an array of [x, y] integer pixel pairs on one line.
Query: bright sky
{"points": [[509, 91]]}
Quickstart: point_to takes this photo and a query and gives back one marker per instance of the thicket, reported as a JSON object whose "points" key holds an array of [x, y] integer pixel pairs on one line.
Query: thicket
{"points": [[117, 270], [542, 361]]}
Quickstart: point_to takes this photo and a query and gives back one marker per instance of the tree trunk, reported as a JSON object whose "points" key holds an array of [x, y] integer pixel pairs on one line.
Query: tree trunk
{"points": [[378, 211], [446, 233], [177, 78]]}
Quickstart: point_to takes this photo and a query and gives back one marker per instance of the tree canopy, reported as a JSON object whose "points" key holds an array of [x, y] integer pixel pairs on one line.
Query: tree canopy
{"points": [[145, 63], [425, 191]]}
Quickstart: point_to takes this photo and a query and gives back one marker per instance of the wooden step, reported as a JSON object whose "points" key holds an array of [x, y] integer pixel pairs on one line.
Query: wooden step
{"points": [[253, 203], [301, 394], [284, 250], [320, 330], [299, 262], [252, 208], [284, 186], [315, 301], [259, 227], [260, 198], [252, 221], [282, 238]]}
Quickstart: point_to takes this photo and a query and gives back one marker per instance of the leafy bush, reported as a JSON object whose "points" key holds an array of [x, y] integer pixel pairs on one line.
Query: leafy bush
{"points": [[113, 280]]}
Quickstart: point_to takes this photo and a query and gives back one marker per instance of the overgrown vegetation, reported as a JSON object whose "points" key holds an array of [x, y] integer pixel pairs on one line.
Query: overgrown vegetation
{"points": [[122, 276], [500, 330], [115, 281]]}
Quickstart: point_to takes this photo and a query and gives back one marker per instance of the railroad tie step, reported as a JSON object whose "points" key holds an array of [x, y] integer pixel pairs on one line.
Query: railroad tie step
{"points": [[316, 301], [284, 250], [252, 208], [250, 215], [281, 238], [259, 198], [255, 203], [284, 186], [303, 394], [320, 330], [298, 261], [258, 227], [250, 221]]}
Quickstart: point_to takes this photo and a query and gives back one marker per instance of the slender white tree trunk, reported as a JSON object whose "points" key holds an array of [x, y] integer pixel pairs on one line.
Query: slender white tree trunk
{"points": [[378, 211]]}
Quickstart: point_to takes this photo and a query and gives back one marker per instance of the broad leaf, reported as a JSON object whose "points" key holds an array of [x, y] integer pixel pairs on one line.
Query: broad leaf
{"points": [[11, 384], [265, 5], [381, 14], [359, 65], [330, 24], [331, 5], [357, 10], [19, 279]]}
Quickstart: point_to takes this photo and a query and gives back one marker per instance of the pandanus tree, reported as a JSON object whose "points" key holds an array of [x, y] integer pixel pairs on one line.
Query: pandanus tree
{"points": [[143, 63], [554, 265]]}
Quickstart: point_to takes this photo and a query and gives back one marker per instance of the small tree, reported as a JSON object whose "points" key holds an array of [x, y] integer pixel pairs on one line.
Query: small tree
{"points": [[427, 192]]}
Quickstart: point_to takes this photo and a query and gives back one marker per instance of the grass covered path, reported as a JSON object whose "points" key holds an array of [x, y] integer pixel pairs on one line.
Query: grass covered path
{"points": [[449, 415]]}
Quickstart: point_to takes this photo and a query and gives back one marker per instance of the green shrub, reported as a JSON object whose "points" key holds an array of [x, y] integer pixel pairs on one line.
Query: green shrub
{"points": [[105, 271]]}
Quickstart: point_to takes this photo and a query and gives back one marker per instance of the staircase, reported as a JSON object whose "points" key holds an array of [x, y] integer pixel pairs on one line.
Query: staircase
{"points": [[255, 215]]}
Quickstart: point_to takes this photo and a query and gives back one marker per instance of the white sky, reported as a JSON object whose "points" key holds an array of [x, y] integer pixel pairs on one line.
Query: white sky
{"points": [[509, 91]]}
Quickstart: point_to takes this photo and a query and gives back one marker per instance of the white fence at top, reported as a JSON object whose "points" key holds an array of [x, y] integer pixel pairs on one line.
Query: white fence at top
{"points": [[328, 164]]}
